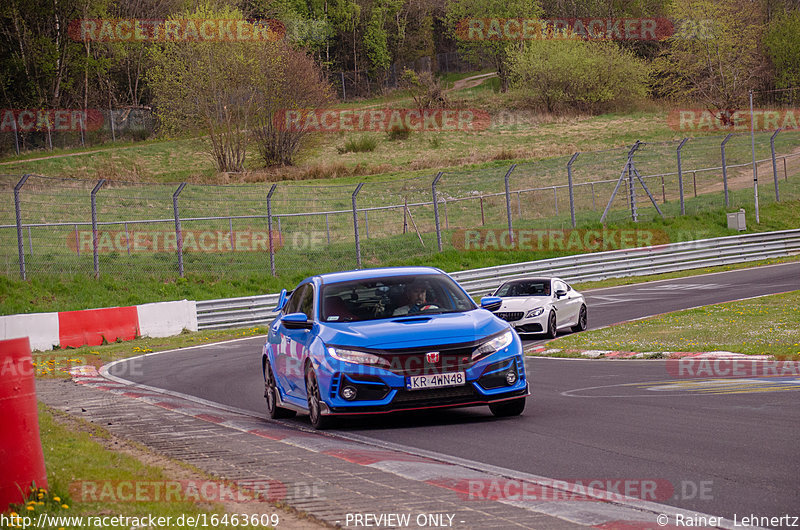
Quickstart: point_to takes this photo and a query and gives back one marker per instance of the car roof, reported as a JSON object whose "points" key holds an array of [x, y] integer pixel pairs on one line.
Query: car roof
{"points": [[381, 272]]}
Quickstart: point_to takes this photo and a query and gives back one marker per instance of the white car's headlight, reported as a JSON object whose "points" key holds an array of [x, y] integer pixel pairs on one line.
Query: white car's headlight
{"points": [[535, 312], [357, 357], [493, 345]]}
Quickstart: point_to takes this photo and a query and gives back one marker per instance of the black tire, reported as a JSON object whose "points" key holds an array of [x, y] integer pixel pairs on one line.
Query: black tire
{"points": [[318, 421], [271, 395], [552, 329], [582, 319], [513, 407]]}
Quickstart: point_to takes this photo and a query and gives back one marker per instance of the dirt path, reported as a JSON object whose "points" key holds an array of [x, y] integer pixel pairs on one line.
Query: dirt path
{"points": [[469, 82]]}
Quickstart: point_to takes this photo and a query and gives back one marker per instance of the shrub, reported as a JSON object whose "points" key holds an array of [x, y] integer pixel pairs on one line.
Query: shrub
{"points": [[362, 144], [559, 75]]}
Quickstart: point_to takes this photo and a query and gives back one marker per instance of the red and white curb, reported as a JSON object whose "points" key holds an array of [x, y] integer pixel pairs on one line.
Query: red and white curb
{"points": [[544, 351], [597, 508]]}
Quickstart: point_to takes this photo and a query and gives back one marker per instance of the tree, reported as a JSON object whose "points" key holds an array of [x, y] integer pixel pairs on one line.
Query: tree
{"points": [[717, 66], [573, 74], [229, 89], [782, 43], [458, 14]]}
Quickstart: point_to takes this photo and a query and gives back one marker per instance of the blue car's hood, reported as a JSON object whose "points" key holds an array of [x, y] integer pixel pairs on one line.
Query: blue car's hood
{"points": [[414, 331]]}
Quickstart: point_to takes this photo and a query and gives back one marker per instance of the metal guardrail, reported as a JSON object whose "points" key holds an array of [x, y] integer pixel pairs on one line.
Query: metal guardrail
{"points": [[257, 310]]}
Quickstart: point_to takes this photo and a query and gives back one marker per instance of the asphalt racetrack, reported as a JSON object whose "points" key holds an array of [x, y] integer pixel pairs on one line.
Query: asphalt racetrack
{"points": [[728, 448]]}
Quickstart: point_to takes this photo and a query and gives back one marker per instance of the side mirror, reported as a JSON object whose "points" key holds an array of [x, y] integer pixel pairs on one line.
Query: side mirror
{"points": [[560, 293], [491, 303], [297, 321], [281, 300]]}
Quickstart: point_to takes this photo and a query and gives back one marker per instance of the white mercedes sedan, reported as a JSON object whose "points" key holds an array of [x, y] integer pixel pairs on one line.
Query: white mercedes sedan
{"points": [[541, 305]]}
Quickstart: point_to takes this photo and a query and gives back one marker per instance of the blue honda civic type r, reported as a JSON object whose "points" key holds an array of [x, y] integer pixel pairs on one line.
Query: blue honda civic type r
{"points": [[382, 340]]}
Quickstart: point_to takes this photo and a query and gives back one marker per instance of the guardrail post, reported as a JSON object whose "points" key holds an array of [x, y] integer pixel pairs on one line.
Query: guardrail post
{"points": [[269, 230], [96, 257], [571, 192], [680, 176], [355, 225], [508, 202], [436, 210], [774, 164], [18, 212], [725, 170], [178, 233]]}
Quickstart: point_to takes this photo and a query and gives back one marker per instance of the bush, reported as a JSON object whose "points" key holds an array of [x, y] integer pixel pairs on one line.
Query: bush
{"points": [[560, 75], [361, 144], [398, 134]]}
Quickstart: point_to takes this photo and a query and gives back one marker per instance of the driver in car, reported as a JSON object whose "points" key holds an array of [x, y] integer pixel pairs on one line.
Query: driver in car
{"points": [[416, 294]]}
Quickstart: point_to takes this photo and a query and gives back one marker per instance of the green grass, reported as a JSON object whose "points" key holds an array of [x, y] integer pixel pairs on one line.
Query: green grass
{"points": [[514, 133], [768, 325], [75, 455], [150, 278]]}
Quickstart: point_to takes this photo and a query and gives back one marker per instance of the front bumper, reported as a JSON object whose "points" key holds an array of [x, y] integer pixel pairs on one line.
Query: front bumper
{"points": [[520, 324], [486, 382]]}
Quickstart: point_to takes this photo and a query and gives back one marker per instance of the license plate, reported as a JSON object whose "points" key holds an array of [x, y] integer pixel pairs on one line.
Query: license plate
{"points": [[418, 382]]}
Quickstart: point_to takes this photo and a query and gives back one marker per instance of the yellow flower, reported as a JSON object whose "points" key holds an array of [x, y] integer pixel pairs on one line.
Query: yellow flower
{"points": [[30, 508], [57, 499], [65, 506]]}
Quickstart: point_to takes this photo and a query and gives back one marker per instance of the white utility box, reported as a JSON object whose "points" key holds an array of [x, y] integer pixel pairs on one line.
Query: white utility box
{"points": [[736, 220]]}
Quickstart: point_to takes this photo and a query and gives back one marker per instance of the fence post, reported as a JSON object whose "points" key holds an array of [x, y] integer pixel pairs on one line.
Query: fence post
{"points": [[680, 176], [269, 230], [753, 151], [571, 192], [725, 170], [508, 202], [20, 240], [344, 91], [178, 234], [436, 210], [355, 225], [95, 255], [775, 164], [16, 136]]}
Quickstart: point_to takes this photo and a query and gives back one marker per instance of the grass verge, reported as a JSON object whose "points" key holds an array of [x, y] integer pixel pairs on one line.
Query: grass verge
{"points": [[78, 454], [768, 325]]}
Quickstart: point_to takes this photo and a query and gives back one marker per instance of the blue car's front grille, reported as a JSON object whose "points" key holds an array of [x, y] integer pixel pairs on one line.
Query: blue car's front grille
{"points": [[417, 361], [433, 396]]}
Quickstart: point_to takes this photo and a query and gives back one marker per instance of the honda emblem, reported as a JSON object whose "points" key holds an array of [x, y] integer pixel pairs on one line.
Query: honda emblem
{"points": [[432, 357]]}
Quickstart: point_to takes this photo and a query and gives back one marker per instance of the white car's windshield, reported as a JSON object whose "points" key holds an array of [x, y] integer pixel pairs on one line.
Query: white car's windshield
{"points": [[376, 298], [524, 288]]}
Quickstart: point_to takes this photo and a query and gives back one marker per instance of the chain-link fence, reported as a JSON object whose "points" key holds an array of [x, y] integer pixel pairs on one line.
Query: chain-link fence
{"points": [[35, 129], [106, 227]]}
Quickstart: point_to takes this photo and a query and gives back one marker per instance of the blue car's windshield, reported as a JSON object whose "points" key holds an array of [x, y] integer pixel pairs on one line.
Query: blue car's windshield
{"points": [[377, 298]]}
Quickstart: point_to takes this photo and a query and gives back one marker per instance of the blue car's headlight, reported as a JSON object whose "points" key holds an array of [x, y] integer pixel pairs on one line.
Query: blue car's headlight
{"points": [[357, 357], [535, 312], [495, 344]]}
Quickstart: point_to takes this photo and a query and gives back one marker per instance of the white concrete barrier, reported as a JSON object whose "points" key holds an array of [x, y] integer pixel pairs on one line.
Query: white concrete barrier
{"points": [[165, 319], [41, 328]]}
